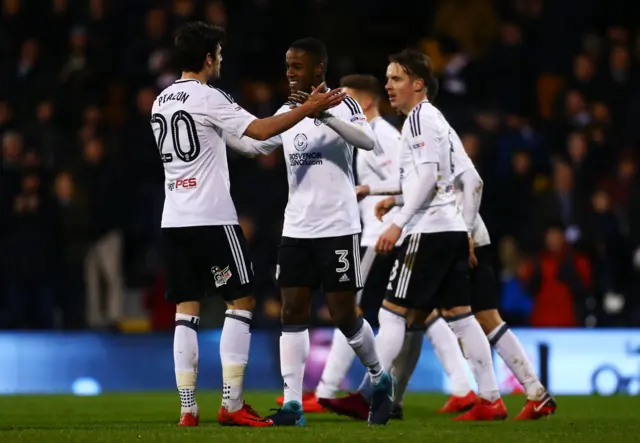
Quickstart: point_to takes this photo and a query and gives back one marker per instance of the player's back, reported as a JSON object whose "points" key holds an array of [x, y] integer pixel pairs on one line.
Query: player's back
{"points": [[462, 163], [427, 138], [322, 200], [194, 156], [375, 166]]}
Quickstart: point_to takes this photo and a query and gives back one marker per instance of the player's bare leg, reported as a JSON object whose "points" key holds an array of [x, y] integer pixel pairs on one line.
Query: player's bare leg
{"points": [[185, 358], [405, 364], [235, 342], [477, 351], [539, 402], [359, 334], [294, 350], [388, 343]]}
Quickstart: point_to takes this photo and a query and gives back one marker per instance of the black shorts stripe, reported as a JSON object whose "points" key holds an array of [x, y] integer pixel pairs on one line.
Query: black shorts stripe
{"points": [[238, 256]]}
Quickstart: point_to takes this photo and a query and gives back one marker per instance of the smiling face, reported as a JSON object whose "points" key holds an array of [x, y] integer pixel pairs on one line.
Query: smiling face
{"points": [[303, 70]]}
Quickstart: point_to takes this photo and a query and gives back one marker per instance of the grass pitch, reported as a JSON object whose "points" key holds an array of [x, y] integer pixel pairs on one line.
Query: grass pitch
{"points": [[152, 417]]}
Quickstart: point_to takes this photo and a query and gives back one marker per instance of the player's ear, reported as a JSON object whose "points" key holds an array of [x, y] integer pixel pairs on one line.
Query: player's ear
{"points": [[418, 85], [319, 69]]}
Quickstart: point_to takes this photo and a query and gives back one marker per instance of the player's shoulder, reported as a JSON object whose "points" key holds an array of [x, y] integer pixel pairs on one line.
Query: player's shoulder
{"points": [[218, 95], [382, 127], [350, 107], [423, 117]]}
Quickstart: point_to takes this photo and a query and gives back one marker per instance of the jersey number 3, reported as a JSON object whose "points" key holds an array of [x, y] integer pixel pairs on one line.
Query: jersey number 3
{"points": [[188, 126]]}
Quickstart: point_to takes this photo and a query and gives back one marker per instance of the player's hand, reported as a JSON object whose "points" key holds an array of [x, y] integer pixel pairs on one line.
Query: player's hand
{"points": [[388, 239], [321, 101], [362, 191], [473, 261], [384, 206], [298, 98]]}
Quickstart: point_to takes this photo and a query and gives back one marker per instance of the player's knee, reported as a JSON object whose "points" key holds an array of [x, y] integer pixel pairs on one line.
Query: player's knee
{"points": [[188, 308], [396, 309], [489, 319], [454, 311], [294, 312], [247, 303]]}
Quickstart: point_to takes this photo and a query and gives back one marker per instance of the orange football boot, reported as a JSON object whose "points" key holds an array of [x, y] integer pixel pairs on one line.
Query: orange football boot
{"points": [[242, 417], [485, 411], [189, 420], [310, 403], [535, 409], [456, 404]]}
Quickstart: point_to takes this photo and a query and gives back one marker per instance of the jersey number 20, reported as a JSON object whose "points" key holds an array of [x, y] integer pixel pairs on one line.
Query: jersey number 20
{"points": [[191, 132]]}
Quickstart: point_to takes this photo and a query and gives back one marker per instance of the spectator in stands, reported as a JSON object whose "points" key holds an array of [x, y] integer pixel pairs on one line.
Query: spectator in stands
{"points": [[559, 280]]}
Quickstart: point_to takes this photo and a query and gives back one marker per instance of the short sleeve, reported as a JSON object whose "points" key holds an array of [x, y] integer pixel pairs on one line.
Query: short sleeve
{"points": [[224, 113], [423, 140]]}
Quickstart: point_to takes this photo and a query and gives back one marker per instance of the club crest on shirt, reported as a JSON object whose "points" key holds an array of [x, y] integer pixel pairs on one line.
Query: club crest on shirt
{"points": [[220, 276], [300, 142], [317, 121]]}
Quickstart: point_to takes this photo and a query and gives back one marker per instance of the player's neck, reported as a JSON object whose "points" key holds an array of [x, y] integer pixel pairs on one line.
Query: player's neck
{"points": [[417, 98], [200, 76], [317, 83], [371, 114]]}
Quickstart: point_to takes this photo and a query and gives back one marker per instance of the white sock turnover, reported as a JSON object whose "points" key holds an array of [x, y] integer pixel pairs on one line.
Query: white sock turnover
{"points": [[447, 349], [235, 342], [185, 359], [515, 357], [475, 347], [294, 350]]}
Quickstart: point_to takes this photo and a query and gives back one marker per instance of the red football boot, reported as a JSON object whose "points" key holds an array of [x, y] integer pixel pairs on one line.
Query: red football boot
{"points": [[189, 420], [534, 410], [310, 403], [485, 411], [242, 417], [353, 405], [457, 404]]}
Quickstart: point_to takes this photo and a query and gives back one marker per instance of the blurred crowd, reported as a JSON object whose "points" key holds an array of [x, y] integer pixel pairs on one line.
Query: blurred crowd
{"points": [[545, 96]]}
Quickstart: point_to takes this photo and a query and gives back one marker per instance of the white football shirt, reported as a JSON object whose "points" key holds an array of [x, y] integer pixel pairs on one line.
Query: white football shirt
{"points": [[322, 197], [380, 164], [188, 119], [461, 163], [426, 139]]}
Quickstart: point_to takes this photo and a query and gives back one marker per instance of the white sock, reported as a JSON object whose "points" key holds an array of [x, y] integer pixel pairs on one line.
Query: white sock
{"points": [[185, 359], [475, 347], [515, 357], [294, 350], [406, 362], [335, 370], [362, 341], [389, 342], [445, 344], [234, 355]]}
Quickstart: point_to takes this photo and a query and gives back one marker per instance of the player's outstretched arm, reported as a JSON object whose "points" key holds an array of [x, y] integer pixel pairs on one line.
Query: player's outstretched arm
{"points": [[224, 113], [385, 205], [472, 186], [262, 129], [359, 135], [251, 148], [355, 130]]}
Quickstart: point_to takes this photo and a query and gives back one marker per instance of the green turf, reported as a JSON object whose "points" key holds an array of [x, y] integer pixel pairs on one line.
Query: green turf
{"points": [[151, 417]]}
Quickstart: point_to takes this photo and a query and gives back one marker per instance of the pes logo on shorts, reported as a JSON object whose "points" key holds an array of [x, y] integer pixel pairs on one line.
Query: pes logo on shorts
{"points": [[220, 276], [300, 142], [186, 183]]}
